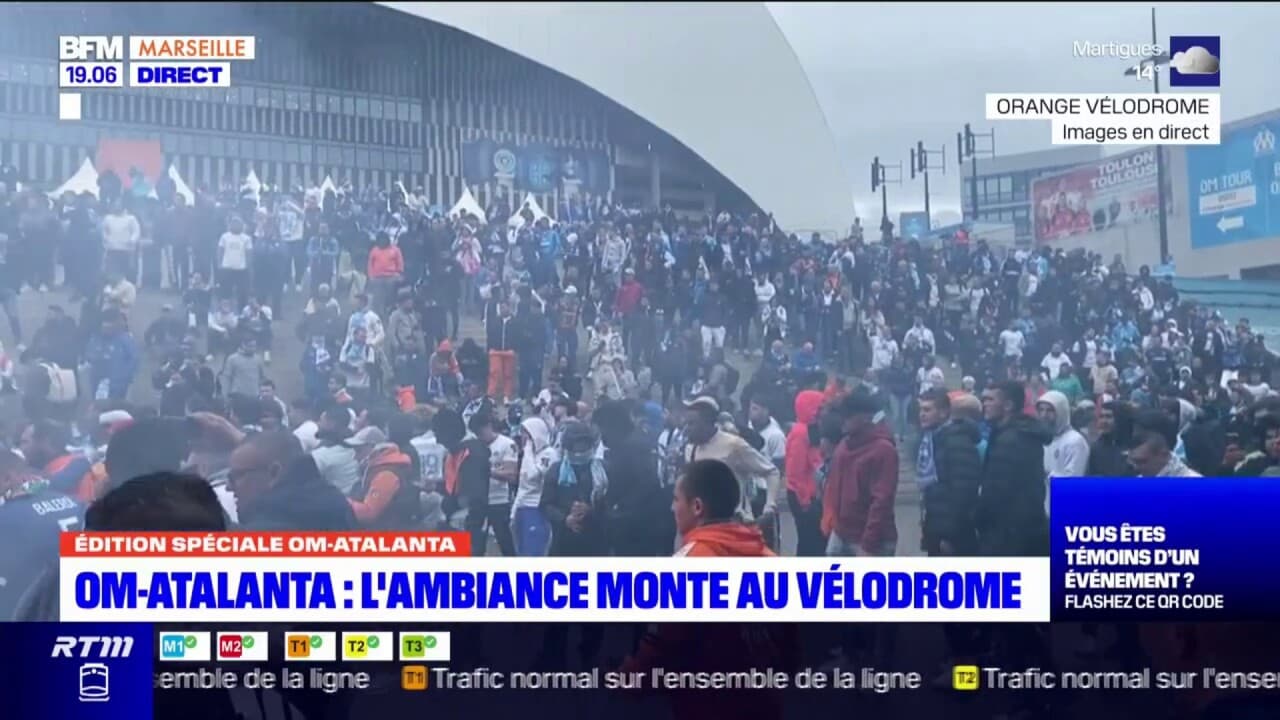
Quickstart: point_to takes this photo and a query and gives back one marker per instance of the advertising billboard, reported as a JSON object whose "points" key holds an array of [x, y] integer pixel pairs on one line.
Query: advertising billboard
{"points": [[1115, 190], [1235, 187], [913, 225]]}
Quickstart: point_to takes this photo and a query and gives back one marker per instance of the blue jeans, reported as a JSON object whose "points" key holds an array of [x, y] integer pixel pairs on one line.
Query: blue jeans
{"points": [[898, 405], [567, 345], [530, 378], [533, 533]]}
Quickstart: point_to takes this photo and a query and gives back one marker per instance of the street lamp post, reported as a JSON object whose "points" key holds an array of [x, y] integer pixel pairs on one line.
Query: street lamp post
{"points": [[1151, 66], [967, 147], [880, 180], [920, 164], [1160, 216]]}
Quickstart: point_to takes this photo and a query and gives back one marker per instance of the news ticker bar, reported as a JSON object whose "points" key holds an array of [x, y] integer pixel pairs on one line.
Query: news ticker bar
{"points": [[302, 646]]}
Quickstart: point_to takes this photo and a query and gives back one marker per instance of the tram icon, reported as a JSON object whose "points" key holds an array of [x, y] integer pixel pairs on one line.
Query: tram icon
{"points": [[94, 686]]}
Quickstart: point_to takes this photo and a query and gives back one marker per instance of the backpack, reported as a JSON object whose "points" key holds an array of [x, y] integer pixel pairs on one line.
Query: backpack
{"points": [[62, 384]]}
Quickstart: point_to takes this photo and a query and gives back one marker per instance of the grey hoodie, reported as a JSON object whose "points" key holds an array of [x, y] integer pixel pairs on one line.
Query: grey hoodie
{"points": [[1067, 455], [241, 374]]}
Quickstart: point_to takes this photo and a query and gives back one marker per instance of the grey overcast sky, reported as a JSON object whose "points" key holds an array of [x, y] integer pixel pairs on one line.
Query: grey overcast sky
{"points": [[890, 74]]}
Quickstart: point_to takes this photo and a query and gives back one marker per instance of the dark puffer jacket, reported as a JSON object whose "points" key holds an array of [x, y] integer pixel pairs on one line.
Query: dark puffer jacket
{"points": [[951, 504], [1011, 519]]}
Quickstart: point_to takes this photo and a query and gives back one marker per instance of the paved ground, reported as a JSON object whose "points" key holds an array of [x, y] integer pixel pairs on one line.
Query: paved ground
{"points": [[283, 370]]}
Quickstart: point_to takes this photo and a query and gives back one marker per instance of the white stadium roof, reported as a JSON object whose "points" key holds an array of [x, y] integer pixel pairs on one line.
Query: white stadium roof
{"points": [[720, 78]]}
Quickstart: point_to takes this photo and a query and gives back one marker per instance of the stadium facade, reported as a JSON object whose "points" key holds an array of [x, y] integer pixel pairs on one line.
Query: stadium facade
{"points": [[545, 98]]}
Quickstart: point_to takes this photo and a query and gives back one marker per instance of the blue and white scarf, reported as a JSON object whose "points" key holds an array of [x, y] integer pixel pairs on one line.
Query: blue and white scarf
{"points": [[599, 480], [926, 468]]}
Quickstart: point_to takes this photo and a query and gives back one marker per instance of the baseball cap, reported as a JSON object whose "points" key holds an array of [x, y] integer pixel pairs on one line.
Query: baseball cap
{"points": [[366, 436], [703, 401], [859, 402], [115, 417], [577, 436]]}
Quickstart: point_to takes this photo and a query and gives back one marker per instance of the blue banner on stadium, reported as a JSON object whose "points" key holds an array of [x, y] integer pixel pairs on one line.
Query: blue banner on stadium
{"points": [[538, 168], [1164, 549]]}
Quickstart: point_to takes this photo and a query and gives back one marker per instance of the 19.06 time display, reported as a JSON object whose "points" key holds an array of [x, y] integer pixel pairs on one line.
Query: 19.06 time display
{"points": [[90, 74]]}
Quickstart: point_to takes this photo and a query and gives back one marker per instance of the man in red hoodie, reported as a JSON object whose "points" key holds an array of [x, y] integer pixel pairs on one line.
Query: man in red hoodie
{"points": [[705, 508], [857, 507], [802, 460], [626, 303]]}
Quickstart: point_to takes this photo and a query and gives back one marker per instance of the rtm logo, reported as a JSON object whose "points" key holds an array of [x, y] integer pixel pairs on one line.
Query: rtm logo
{"points": [[90, 47], [110, 646]]}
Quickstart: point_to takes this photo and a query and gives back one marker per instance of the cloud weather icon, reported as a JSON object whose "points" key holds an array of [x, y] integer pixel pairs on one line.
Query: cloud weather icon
{"points": [[1196, 60]]}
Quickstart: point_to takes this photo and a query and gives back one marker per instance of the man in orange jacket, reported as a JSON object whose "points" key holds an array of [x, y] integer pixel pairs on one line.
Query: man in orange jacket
{"points": [[705, 509], [385, 497], [386, 267], [706, 525]]}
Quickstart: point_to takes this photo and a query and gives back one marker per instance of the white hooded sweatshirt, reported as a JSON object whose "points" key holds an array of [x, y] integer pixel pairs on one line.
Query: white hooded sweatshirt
{"points": [[1067, 455], [538, 457]]}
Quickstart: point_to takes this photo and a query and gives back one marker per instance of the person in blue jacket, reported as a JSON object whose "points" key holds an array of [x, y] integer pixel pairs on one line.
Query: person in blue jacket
{"points": [[112, 356], [805, 360]]}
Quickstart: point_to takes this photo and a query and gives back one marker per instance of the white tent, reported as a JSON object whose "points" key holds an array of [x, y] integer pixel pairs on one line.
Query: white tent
{"points": [[532, 204], [84, 180], [251, 186], [328, 186], [180, 186], [468, 203], [314, 194], [413, 202]]}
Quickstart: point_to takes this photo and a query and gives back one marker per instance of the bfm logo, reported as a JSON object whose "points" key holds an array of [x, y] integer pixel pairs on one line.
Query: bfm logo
{"points": [[85, 47], [83, 646]]}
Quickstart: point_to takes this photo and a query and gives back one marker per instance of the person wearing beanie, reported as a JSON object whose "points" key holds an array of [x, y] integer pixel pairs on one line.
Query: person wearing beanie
{"points": [[857, 507], [573, 495]]}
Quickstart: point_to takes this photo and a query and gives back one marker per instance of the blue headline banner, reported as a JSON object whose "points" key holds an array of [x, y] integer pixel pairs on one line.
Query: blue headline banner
{"points": [[1234, 188], [367, 589], [1164, 549]]}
